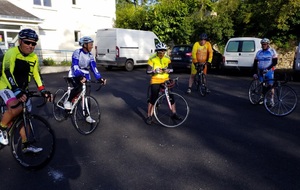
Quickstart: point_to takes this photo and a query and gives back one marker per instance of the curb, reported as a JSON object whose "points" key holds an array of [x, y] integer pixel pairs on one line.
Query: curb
{"points": [[53, 69]]}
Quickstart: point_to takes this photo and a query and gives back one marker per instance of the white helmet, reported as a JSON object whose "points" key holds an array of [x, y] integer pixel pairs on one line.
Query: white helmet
{"points": [[265, 40], [160, 46], [85, 40]]}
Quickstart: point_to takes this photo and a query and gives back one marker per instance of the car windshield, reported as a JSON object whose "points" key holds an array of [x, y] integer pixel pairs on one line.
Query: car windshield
{"points": [[181, 49]]}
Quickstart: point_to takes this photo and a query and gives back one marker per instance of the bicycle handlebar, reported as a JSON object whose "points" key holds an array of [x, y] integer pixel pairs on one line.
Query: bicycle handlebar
{"points": [[31, 94]]}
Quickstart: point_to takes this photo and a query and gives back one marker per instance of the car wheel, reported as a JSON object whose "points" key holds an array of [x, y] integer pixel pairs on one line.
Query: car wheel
{"points": [[129, 65]]}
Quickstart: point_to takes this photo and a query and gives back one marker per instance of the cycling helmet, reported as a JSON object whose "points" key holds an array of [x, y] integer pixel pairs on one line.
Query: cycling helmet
{"points": [[160, 46], [203, 36], [28, 34], [85, 40], [265, 40]]}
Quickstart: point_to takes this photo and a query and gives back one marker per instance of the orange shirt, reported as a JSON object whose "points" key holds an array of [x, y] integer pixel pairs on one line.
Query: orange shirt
{"points": [[203, 53]]}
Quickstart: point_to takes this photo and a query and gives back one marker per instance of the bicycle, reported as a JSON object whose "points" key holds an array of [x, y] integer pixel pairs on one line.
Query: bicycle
{"points": [[38, 133], [279, 99], [79, 110], [163, 108], [200, 80]]}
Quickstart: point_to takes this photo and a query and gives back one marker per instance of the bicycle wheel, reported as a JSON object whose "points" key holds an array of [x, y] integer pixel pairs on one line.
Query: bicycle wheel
{"points": [[280, 100], [92, 109], [163, 114], [255, 91], [58, 110], [39, 135], [202, 86]]}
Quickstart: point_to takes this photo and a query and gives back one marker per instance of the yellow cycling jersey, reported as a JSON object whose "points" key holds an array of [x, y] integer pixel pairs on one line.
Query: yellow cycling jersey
{"points": [[18, 69], [156, 62], [203, 53]]}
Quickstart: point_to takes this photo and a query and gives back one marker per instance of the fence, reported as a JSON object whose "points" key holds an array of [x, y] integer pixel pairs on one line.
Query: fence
{"points": [[57, 55]]}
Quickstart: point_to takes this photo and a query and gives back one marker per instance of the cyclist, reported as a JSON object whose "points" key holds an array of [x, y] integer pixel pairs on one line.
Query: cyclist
{"points": [[82, 61], [159, 66], [20, 63], [264, 63], [202, 53]]}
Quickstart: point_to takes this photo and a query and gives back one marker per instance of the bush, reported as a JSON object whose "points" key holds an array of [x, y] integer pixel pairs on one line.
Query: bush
{"points": [[65, 63], [48, 62]]}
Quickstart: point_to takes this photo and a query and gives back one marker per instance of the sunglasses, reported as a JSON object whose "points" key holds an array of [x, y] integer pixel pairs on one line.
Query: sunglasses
{"points": [[29, 42], [161, 51], [264, 44]]}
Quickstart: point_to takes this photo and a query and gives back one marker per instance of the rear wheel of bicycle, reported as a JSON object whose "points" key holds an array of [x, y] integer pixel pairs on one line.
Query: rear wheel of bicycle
{"points": [[255, 91], [79, 115], [280, 100], [163, 113], [39, 135], [59, 113], [202, 85]]}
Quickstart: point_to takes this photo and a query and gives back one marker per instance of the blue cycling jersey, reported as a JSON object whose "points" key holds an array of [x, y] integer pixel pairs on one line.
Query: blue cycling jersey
{"points": [[82, 62], [265, 57]]}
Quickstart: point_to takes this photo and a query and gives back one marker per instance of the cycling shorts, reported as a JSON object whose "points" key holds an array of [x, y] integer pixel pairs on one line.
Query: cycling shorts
{"points": [[268, 76], [7, 95], [154, 93], [194, 71]]}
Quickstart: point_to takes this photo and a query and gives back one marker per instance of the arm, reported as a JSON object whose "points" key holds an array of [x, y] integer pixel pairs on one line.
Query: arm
{"points": [[94, 69], [8, 66], [194, 53], [37, 77], [210, 52]]}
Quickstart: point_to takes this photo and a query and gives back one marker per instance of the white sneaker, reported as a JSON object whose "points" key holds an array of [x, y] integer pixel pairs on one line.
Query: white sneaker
{"points": [[32, 149], [67, 105], [3, 137], [90, 120]]}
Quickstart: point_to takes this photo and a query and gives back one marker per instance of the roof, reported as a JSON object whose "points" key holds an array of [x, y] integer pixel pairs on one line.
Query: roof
{"points": [[11, 11]]}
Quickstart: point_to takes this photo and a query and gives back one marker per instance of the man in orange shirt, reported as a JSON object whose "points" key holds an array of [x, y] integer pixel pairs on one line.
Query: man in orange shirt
{"points": [[202, 53]]}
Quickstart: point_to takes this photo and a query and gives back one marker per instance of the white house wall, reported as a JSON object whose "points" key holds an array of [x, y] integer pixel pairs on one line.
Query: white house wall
{"points": [[62, 19]]}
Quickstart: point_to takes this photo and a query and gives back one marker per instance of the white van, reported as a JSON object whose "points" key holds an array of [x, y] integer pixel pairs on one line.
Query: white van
{"points": [[117, 47], [240, 52]]}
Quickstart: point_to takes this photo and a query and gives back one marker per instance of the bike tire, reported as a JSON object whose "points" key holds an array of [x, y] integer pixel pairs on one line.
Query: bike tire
{"points": [[41, 135], [79, 119], [162, 112], [280, 100], [202, 85], [255, 91], [59, 113]]}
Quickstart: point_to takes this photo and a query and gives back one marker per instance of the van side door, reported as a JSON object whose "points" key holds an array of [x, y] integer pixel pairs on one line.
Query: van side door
{"points": [[247, 51]]}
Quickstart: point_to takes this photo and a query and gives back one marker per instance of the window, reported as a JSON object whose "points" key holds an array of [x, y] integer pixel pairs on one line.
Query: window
{"points": [[233, 46], [74, 2], [46, 3], [248, 46], [76, 36]]}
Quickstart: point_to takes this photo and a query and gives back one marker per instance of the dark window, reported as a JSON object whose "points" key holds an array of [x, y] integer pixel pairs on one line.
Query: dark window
{"points": [[46, 3], [74, 2], [37, 2], [248, 46], [76, 36]]}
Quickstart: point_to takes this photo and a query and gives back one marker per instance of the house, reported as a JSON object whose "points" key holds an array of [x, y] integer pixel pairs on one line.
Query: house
{"points": [[59, 23]]}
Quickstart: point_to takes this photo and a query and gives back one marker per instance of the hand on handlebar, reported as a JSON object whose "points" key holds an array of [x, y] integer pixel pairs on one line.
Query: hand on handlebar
{"points": [[47, 94], [102, 81]]}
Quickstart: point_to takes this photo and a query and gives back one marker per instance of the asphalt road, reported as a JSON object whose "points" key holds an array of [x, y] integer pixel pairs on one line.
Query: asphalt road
{"points": [[226, 143]]}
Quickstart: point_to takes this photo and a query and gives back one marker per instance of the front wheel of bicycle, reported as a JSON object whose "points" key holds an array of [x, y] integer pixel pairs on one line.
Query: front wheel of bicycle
{"points": [[58, 110], [163, 113], [255, 91], [280, 100], [39, 134], [89, 107], [202, 85]]}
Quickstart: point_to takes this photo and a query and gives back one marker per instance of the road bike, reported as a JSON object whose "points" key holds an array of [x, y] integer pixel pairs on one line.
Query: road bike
{"points": [[163, 107], [83, 105], [38, 133], [279, 99], [200, 80]]}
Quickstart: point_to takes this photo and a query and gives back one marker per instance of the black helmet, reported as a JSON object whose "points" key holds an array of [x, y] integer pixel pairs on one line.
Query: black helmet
{"points": [[28, 34], [203, 36]]}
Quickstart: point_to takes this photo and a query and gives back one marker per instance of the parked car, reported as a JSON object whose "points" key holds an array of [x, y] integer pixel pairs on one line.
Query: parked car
{"points": [[181, 57], [240, 52]]}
